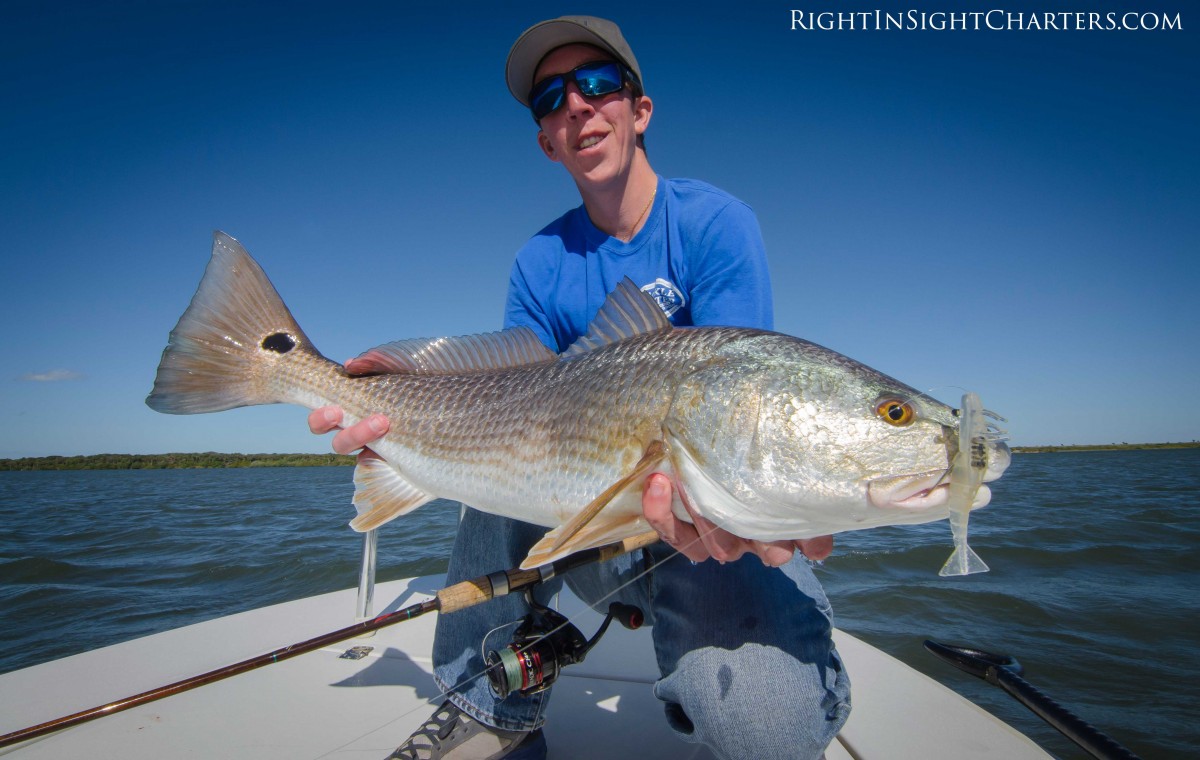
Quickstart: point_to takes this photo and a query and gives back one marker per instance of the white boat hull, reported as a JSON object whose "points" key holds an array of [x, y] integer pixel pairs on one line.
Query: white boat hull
{"points": [[320, 705]]}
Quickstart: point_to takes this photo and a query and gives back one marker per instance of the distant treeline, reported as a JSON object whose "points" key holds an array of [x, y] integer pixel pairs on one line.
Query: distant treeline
{"points": [[1105, 447], [215, 459], [173, 461]]}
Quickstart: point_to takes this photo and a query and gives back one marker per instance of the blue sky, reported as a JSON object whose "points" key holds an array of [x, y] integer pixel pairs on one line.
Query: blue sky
{"points": [[1010, 212]]}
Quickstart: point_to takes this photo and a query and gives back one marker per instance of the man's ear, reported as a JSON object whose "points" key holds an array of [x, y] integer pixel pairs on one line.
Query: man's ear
{"points": [[643, 109], [546, 146]]}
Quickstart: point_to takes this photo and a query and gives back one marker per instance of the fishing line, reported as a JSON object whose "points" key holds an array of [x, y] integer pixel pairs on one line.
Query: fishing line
{"points": [[462, 684], [483, 643], [437, 699], [928, 393], [992, 433]]}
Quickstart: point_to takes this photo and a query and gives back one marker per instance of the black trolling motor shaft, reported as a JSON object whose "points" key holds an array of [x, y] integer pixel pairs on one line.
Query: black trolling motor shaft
{"points": [[450, 599], [1005, 672]]}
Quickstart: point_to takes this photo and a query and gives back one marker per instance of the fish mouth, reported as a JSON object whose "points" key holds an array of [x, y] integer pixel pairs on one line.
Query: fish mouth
{"points": [[999, 458], [930, 490], [918, 492]]}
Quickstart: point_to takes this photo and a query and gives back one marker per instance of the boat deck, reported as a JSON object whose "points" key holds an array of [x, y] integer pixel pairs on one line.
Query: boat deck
{"points": [[319, 705]]}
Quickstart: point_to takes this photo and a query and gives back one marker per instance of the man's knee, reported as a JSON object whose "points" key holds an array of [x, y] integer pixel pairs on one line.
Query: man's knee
{"points": [[756, 701]]}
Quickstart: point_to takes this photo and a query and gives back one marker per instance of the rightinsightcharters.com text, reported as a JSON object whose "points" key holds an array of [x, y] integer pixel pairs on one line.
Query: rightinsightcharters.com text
{"points": [[997, 20]]}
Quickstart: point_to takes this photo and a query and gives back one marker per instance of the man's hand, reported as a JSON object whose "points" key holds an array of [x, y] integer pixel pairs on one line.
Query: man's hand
{"points": [[353, 438], [703, 539], [357, 436]]}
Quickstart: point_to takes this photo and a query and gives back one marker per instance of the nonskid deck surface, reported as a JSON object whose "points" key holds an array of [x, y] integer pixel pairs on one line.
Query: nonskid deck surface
{"points": [[321, 705]]}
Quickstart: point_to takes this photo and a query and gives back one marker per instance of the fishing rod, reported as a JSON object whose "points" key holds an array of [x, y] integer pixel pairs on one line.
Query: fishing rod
{"points": [[450, 599], [1005, 672]]}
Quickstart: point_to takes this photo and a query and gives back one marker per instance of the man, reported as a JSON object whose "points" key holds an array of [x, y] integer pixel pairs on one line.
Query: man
{"points": [[748, 666]]}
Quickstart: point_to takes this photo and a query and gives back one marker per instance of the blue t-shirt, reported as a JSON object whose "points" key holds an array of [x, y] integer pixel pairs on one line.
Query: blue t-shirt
{"points": [[700, 254]]}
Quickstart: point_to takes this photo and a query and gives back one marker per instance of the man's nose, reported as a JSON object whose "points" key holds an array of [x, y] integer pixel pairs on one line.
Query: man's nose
{"points": [[576, 102]]}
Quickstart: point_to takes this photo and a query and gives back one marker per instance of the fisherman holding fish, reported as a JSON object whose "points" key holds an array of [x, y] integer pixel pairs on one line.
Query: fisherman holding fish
{"points": [[595, 416], [743, 643]]}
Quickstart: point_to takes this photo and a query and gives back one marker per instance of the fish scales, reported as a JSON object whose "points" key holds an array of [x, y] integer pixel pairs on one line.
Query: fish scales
{"points": [[575, 426]]}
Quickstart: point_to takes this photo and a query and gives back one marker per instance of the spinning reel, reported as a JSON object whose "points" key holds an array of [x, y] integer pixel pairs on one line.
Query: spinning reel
{"points": [[544, 643]]}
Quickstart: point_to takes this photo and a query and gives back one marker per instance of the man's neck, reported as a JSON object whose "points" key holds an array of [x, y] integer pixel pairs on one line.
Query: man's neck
{"points": [[622, 208]]}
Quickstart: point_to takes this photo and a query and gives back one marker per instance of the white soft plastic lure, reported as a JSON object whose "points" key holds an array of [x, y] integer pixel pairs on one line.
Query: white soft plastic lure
{"points": [[976, 438]]}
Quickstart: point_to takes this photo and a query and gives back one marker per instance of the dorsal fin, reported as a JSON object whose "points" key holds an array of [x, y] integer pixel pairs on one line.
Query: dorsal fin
{"points": [[626, 312], [514, 347]]}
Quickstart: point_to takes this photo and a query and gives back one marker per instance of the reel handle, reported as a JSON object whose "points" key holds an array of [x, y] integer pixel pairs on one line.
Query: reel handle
{"points": [[627, 615]]}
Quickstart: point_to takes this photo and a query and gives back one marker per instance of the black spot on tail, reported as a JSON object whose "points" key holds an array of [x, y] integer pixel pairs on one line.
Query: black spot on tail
{"points": [[280, 343]]}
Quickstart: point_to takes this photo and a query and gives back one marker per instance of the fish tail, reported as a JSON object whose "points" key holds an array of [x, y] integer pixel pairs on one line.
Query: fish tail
{"points": [[221, 353]]}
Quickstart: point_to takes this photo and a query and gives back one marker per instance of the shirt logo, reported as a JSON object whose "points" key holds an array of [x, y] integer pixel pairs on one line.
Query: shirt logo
{"points": [[668, 297]]}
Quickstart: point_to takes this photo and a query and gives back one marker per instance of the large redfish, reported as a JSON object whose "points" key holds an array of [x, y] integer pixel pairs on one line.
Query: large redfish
{"points": [[768, 436]]}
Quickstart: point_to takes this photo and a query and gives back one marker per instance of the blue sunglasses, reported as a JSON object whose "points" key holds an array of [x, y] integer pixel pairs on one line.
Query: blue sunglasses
{"points": [[594, 79]]}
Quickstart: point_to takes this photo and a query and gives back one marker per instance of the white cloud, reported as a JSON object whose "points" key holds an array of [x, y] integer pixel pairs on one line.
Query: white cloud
{"points": [[52, 376]]}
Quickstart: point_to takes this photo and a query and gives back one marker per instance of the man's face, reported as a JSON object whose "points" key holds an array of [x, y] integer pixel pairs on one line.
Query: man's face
{"points": [[594, 138]]}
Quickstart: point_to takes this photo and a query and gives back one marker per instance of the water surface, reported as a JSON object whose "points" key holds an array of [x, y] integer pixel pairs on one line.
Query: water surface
{"points": [[1093, 555]]}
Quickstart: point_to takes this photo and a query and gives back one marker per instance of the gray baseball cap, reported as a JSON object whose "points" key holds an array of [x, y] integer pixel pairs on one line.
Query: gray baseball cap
{"points": [[538, 40]]}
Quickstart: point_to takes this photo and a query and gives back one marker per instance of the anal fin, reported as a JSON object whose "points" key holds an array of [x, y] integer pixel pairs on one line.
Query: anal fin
{"points": [[381, 493]]}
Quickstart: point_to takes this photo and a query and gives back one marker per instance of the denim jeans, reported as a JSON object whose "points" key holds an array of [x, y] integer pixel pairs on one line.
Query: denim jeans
{"points": [[747, 663]]}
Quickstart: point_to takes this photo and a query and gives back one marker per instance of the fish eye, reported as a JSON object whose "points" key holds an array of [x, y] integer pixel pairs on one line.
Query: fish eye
{"points": [[895, 412]]}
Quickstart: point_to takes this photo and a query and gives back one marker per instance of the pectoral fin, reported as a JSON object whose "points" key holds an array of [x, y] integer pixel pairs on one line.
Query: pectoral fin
{"points": [[655, 453], [596, 533], [381, 493], [587, 529]]}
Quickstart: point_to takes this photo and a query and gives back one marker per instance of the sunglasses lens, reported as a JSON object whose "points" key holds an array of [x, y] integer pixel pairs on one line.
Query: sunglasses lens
{"points": [[546, 96], [598, 78]]}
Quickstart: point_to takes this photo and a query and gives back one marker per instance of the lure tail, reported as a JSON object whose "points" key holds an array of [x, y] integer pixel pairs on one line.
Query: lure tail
{"points": [[963, 560]]}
